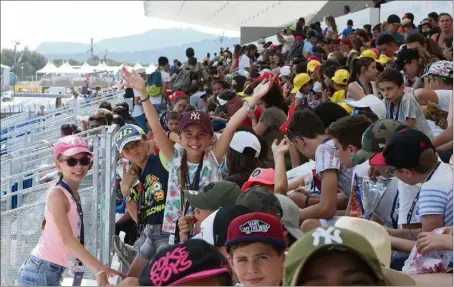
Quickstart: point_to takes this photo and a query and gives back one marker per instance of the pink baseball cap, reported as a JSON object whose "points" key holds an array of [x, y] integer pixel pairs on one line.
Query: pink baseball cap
{"points": [[263, 176], [71, 145]]}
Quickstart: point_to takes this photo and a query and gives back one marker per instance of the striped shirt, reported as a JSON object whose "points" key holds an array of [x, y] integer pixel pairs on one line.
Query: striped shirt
{"points": [[435, 197]]}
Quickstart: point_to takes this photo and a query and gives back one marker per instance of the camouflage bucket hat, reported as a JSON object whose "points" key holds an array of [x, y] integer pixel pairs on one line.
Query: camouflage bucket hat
{"points": [[374, 139]]}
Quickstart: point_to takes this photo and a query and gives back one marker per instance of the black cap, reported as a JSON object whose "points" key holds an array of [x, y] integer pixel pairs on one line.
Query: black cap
{"points": [[393, 19], [258, 199], [222, 99], [403, 149], [404, 56], [222, 220], [180, 263]]}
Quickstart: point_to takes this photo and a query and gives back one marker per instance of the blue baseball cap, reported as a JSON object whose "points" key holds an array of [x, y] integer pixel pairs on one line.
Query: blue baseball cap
{"points": [[126, 134]]}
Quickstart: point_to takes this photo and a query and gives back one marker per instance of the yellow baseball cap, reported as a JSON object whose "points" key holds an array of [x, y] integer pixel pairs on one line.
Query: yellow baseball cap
{"points": [[369, 53], [341, 77], [383, 59], [299, 81], [312, 64]]}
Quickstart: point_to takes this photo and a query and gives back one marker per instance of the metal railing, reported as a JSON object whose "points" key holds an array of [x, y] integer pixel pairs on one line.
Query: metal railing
{"points": [[20, 227]]}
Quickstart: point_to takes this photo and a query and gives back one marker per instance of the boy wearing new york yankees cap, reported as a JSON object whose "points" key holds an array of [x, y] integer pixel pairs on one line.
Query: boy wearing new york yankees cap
{"points": [[256, 245]]}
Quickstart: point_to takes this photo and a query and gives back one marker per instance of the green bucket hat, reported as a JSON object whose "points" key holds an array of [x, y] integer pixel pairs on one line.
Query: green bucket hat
{"points": [[374, 139]]}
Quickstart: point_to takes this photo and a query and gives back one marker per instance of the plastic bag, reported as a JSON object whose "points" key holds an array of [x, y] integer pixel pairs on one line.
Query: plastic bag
{"points": [[433, 262]]}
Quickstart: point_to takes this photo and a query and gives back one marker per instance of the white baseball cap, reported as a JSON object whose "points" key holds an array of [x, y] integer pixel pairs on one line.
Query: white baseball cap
{"points": [[373, 103], [284, 71], [242, 140], [265, 71]]}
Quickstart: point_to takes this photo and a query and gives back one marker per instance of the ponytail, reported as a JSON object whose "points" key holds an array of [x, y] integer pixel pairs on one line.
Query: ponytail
{"points": [[355, 68], [60, 178]]}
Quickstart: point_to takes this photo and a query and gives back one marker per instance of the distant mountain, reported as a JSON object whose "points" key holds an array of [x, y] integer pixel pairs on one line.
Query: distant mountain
{"points": [[153, 39], [151, 55]]}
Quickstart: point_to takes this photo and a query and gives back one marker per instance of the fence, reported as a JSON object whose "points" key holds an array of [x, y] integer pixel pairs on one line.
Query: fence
{"points": [[20, 227]]}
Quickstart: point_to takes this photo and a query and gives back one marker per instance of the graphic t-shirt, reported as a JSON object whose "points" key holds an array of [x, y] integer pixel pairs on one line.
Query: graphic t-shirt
{"points": [[326, 159], [211, 172], [150, 193]]}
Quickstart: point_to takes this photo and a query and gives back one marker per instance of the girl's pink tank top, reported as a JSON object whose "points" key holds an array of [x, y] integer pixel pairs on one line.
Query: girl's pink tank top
{"points": [[50, 246]]}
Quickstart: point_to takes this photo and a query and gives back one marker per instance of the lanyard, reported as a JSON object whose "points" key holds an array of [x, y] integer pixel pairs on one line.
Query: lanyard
{"points": [[78, 275], [195, 182], [413, 204], [364, 90], [391, 109]]}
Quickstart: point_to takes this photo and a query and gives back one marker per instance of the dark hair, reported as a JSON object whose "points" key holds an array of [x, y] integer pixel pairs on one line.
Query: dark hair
{"points": [[223, 84], [67, 129], [236, 50], [349, 22], [444, 14], [368, 27], [329, 63], [376, 27], [301, 68], [190, 52], [279, 249], [305, 123], [347, 8], [173, 116], [105, 105], [433, 15], [329, 112], [349, 130], [162, 61], [190, 108], [410, 16], [355, 67], [192, 61], [330, 71], [427, 160], [56, 102], [391, 75], [240, 80], [274, 98], [251, 47], [385, 39]]}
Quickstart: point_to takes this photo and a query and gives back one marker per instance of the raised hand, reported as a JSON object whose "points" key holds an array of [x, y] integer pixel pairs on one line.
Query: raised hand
{"points": [[281, 148], [132, 79]]}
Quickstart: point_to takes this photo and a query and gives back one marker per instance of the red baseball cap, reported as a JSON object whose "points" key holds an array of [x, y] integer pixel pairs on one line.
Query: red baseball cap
{"points": [[347, 42], [266, 75], [176, 95], [264, 176], [255, 227], [284, 126], [313, 58]]}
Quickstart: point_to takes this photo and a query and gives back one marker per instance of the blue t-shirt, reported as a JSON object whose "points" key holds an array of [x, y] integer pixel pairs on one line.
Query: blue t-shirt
{"points": [[347, 31], [308, 47]]}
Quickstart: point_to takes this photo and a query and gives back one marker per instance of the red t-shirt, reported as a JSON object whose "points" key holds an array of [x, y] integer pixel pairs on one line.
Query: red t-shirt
{"points": [[258, 113]]}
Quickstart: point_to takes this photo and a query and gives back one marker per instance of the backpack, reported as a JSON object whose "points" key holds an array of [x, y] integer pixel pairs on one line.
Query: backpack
{"points": [[296, 51], [183, 81], [154, 84]]}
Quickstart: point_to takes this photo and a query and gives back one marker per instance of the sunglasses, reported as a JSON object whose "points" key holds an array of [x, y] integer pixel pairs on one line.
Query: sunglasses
{"points": [[84, 161], [391, 171]]}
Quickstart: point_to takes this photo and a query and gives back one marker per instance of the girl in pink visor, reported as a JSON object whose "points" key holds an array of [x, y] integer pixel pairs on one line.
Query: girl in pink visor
{"points": [[61, 244]]}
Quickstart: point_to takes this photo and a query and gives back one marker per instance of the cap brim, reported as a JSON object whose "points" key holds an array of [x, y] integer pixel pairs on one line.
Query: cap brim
{"points": [[296, 89], [76, 150], [295, 232], [377, 160], [247, 239], [197, 199], [129, 140], [251, 181], [200, 275], [361, 156], [396, 278]]}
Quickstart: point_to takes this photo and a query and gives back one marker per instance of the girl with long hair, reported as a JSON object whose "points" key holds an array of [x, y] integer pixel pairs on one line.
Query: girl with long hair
{"points": [[62, 238], [363, 71]]}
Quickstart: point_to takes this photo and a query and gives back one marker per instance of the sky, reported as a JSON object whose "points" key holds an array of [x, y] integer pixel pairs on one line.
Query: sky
{"points": [[34, 22]]}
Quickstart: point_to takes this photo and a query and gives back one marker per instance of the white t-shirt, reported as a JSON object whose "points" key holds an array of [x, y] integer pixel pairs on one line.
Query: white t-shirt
{"points": [[407, 194], [444, 98], [245, 62], [75, 102], [165, 79], [289, 41], [435, 197], [326, 159], [138, 109]]}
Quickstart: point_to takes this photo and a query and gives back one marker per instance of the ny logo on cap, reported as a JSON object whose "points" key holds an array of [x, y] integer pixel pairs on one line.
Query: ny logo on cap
{"points": [[255, 226], [195, 116], [329, 235]]}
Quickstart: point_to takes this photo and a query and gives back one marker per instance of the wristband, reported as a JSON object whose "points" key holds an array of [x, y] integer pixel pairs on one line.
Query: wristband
{"points": [[168, 134], [248, 107], [144, 100]]}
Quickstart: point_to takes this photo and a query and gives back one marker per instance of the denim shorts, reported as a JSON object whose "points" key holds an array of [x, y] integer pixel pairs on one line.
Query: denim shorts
{"points": [[152, 239], [38, 272]]}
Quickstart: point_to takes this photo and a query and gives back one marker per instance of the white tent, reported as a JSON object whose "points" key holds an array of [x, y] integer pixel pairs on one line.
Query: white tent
{"points": [[49, 68], [66, 69], [85, 68], [151, 68]]}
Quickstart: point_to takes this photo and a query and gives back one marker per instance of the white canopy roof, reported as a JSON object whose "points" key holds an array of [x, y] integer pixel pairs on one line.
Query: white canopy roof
{"points": [[49, 68], [66, 69], [150, 69], [85, 68], [231, 15]]}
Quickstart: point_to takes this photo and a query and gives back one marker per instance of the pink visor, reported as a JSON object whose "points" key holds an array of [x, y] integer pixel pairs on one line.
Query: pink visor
{"points": [[200, 275], [71, 145]]}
